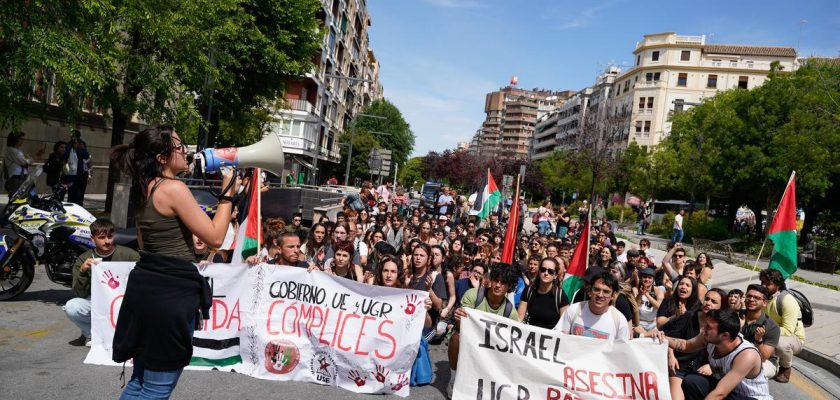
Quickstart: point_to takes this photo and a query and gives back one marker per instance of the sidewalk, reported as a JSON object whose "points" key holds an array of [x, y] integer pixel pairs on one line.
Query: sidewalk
{"points": [[822, 344]]}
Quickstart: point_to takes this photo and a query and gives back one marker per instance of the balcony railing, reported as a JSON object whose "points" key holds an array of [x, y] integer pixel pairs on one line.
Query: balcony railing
{"points": [[649, 84], [301, 105]]}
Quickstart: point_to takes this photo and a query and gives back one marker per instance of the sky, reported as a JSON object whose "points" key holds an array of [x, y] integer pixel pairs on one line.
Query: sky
{"points": [[439, 58]]}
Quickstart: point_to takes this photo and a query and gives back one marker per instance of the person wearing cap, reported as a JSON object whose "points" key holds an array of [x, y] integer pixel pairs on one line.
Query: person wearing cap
{"points": [[648, 297], [443, 221]]}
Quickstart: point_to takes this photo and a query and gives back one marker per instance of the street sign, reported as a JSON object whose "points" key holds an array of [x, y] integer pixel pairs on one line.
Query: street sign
{"points": [[379, 162], [507, 181]]}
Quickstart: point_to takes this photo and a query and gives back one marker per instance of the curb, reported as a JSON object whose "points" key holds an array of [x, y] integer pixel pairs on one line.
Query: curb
{"points": [[821, 360]]}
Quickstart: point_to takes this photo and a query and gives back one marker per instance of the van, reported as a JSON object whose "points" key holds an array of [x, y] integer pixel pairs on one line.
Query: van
{"points": [[428, 193], [661, 207]]}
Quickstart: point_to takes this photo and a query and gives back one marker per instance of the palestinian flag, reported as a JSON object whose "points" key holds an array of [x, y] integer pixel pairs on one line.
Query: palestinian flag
{"points": [[573, 281], [487, 199], [783, 232], [248, 238]]}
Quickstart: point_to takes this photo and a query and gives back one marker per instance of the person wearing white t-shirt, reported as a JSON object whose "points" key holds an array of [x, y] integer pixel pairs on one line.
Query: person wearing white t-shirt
{"points": [[596, 317], [678, 227]]}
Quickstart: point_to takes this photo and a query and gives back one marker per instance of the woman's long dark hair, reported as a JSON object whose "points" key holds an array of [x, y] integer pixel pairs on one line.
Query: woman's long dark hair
{"points": [[139, 158], [311, 245]]}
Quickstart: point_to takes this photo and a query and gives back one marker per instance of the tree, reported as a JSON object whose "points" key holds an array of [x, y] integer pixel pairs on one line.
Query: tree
{"points": [[150, 58], [411, 173], [363, 143], [752, 139], [399, 139]]}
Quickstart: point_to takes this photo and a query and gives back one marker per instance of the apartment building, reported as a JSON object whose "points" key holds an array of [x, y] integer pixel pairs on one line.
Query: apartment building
{"points": [[511, 115], [319, 106], [579, 121], [673, 72]]}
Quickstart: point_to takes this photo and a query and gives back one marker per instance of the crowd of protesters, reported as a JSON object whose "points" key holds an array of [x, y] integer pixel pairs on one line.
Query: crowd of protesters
{"points": [[378, 240]]}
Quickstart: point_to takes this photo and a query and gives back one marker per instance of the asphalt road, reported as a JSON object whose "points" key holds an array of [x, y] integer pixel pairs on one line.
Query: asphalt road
{"points": [[37, 363]]}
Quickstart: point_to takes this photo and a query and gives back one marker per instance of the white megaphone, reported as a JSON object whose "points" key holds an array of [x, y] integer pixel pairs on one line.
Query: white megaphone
{"points": [[266, 154]]}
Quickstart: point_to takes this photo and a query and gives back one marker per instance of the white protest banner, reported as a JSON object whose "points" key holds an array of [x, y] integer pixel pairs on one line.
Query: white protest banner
{"points": [[284, 323], [215, 346], [314, 327], [503, 359]]}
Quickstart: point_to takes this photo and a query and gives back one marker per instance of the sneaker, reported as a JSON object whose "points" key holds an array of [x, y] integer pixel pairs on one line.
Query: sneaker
{"points": [[87, 342], [79, 341]]}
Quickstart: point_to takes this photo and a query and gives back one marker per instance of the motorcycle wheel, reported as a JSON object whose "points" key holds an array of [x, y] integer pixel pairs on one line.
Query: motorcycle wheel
{"points": [[18, 280]]}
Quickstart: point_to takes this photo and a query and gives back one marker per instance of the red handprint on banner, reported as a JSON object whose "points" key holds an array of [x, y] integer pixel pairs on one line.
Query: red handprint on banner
{"points": [[402, 380], [354, 375], [109, 279], [381, 374], [411, 304]]}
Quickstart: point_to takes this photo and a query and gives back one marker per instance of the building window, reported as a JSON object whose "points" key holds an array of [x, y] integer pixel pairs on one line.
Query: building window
{"points": [[716, 63], [649, 76], [682, 80], [711, 82], [750, 64], [679, 104], [733, 63], [656, 76], [650, 102], [685, 55], [647, 126], [626, 85], [654, 56], [742, 82], [638, 60], [638, 126], [641, 103]]}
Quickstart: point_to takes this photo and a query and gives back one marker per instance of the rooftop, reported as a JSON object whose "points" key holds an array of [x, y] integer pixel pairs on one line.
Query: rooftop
{"points": [[776, 51]]}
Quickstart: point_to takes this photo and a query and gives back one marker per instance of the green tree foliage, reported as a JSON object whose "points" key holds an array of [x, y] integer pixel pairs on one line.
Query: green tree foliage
{"points": [[153, 58], [400, 138], [363, 143], [742, 145], [411, 173]]}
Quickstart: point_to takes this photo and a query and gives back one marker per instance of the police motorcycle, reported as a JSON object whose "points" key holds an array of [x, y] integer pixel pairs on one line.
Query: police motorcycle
{"points": [[48, 231]]}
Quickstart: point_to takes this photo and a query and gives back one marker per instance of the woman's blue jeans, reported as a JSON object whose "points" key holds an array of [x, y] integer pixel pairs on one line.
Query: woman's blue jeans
{"points": [[148, 384]]}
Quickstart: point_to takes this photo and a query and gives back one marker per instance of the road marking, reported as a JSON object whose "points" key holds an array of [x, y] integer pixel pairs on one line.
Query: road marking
{"points": [[810, 388]]}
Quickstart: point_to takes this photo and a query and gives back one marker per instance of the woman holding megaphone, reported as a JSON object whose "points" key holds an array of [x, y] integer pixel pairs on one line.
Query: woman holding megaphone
{"points": [[165, 298]]}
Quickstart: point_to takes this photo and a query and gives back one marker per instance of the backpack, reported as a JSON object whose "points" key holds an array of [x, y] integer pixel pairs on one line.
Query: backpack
{"points": [[806, 312], [479, 297]]}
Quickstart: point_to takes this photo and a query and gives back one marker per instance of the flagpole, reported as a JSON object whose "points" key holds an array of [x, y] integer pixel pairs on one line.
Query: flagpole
{"points": [[755, 264]]}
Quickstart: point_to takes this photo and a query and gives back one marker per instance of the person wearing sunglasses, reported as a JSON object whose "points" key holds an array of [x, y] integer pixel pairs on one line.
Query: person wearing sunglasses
{"points": [[166, 298], [674, 261], [543, 301]]}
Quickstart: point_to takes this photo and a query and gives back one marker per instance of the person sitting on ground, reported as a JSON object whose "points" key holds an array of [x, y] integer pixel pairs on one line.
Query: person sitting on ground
{"points": [[784, 310], [78, 308], [736, 370], [649, 297], [491, 299], [759, 329], [204, 254], [283, 249], [543, 301], [595, 317]]}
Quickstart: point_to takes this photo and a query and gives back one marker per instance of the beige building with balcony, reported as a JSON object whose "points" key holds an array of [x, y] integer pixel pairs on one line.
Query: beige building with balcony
{"points": [[320, 107], [672, 72]]}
